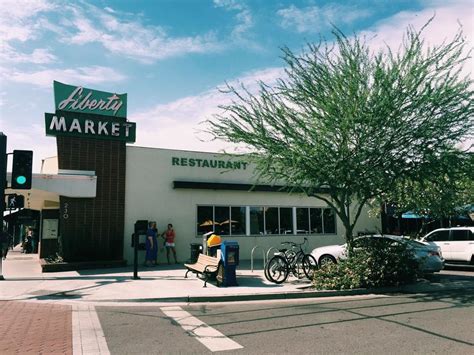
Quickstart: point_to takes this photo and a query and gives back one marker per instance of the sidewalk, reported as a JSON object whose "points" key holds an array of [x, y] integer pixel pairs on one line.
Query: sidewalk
{"points": [[166, 283]]}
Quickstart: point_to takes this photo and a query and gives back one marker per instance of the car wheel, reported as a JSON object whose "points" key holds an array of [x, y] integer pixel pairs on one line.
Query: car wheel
{"points": [[326, 259]]}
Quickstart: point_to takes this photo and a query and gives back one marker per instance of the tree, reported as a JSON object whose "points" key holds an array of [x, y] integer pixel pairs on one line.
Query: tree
{"points": [[347, 125], [442, 194]]}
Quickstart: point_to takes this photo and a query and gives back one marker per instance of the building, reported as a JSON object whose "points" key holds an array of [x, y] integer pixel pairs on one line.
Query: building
{"points": [[93, 192]]}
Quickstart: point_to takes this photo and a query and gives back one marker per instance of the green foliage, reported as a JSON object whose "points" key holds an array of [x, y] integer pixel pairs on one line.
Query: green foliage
{"points": [[374, 265], [348, 126], [441, 193]]}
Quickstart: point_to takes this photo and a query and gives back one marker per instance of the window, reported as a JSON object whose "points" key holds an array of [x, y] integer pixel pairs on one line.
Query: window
{"points": [[271, 220], [302, 221], [460, 235], [205, 219], [286, 220], [439, 236], [329, 219], [222, 218], [256, 220], [268, 220], [316, 221], [238, 220]]}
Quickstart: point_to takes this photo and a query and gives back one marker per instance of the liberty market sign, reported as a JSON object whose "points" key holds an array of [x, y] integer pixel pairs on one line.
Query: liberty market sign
{"points": [[90, 126], [79, 99], [82, 112]]}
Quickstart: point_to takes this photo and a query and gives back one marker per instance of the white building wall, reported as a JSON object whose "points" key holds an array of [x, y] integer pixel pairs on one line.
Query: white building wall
{"points": [[150, 195]]}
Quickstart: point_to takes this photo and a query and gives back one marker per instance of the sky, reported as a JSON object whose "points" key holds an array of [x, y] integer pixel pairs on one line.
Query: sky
{"points": [[172, 56]]}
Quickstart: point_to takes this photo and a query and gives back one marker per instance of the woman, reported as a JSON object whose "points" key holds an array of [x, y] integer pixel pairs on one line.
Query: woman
{"points": [[151, 244], [169, 236]]}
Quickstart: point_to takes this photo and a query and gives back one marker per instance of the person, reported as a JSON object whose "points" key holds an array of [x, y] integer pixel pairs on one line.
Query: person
{"points": [[169, 236], [151, 245], [32, 238]]}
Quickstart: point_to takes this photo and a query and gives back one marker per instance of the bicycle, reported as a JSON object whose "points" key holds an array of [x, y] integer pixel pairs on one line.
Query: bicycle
{"points": [[293, 260]]}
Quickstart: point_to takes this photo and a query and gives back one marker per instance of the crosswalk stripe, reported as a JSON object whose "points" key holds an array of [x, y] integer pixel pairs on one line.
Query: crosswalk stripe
{"points": [[208, 336], [87, 334]]}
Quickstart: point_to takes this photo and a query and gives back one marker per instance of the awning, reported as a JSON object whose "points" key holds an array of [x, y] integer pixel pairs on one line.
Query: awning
{"points": [[46, 188]]}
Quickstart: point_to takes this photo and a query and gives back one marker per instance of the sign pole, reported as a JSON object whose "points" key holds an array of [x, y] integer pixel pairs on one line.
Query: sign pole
{"points": [[135, 256], [3, 179]]}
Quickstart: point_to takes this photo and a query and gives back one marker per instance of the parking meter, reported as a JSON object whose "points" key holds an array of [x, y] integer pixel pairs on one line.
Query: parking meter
{"points": [[140, 229]]}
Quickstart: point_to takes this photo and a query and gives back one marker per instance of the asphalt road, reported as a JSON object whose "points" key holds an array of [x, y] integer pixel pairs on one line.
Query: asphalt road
{"points": [[433, 323]]}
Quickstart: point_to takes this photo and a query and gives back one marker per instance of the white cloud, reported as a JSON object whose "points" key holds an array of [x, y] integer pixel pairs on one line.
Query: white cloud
{"points": [[445, 24], [17, 18], [314, 18], [178, 124], [33, 138], [85, 75], [131, 38], [244, 21], [38, 56]]}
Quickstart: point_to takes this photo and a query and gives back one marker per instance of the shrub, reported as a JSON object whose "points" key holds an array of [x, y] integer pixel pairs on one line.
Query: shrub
{"points": [[378, 263]]}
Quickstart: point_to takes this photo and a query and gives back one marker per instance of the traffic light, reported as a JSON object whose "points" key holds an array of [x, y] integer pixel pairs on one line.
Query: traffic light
{"points": [[22, 169], [15, 201]]}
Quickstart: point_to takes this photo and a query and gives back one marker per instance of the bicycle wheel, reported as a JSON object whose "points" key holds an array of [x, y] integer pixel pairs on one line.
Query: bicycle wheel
{"points": [[297, 266], [309, 265], [276, 270]]}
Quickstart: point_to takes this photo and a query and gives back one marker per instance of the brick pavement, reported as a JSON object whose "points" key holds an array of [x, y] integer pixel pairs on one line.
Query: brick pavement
{"points": [[35, 328]]}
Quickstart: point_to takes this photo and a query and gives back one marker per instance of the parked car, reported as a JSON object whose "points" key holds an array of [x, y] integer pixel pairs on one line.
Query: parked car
{"points": [[456, 244], [429, 256]]}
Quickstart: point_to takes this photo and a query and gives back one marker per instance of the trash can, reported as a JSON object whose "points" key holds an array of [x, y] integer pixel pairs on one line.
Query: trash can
{"points": [[226, 275], [196, 249]]}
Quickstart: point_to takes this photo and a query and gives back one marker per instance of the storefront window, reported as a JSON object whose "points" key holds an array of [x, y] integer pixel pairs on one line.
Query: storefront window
{"points": [[256, 220], [205, 219], [329, 221], [238, 220], [286, 220], [271, 220], [232, 220], [222, 216], [302, 221], [316, 221]]}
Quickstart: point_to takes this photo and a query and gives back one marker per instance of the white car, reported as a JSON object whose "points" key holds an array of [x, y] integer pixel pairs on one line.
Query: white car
{"points": [[457, 244], [429, 256]]}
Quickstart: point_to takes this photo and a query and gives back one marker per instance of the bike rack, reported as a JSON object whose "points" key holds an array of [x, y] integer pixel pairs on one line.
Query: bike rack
{"points": [[251, 256], [270, 249]]}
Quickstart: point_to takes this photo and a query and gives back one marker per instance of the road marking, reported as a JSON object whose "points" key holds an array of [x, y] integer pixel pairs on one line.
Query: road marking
{"points": [[208, 336], [87, 334]]}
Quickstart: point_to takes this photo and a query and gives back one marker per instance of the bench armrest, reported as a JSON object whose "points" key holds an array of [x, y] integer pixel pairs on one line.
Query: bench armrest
{"points": [[212, 266]]}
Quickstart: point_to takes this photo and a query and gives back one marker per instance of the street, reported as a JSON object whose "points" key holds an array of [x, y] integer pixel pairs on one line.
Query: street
{"points": [[433, 323]]}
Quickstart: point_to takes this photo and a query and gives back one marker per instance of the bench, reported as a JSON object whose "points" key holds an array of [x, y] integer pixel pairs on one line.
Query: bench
{"points": [[205, 265]]}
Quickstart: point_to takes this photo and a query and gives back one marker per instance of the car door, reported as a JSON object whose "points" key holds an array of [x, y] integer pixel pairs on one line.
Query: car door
{"points": [[441, 239], [460, 247]]}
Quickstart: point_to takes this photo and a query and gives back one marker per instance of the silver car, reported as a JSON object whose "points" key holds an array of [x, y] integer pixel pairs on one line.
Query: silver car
{"points": [[428, 256]]}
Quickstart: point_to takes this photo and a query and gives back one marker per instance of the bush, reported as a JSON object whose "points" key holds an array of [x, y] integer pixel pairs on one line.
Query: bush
{"points": [[378, 263]]}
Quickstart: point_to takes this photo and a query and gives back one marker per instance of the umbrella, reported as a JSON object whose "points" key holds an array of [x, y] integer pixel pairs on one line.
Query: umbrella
{"points": [[412, 215], [227, 222], [207, 223]]}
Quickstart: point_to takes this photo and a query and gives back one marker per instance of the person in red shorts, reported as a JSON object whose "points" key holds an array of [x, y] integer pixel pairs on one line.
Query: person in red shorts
{"points": [[169, 236]]}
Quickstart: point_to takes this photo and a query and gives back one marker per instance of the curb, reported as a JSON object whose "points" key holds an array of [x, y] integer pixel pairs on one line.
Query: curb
{"points": [[290, 295]]}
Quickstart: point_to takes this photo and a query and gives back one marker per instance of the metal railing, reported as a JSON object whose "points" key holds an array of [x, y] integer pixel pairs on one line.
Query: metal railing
{"points": [[251, 256], [269, 250]]}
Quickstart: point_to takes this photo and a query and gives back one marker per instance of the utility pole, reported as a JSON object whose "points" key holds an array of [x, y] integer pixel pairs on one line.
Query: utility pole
{"points": [[3, 182]]}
